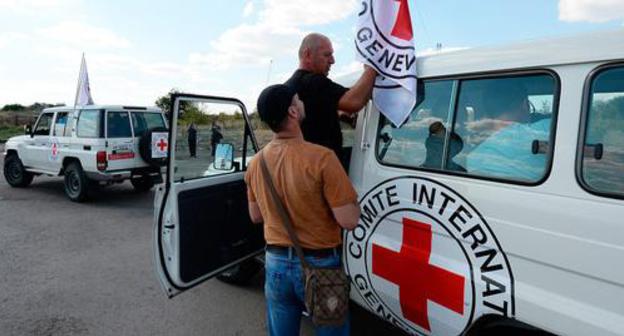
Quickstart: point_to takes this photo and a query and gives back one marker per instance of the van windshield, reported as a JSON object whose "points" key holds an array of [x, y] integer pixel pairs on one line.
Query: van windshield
{"points": [[144, 121]]}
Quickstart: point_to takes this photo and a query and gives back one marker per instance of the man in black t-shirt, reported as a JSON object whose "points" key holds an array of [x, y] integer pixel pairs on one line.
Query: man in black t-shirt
{"points": [[322, 97]]}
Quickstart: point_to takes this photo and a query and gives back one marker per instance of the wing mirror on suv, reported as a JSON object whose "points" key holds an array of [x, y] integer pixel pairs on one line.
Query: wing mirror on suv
{"points": [[224, 157], [28, 130]]}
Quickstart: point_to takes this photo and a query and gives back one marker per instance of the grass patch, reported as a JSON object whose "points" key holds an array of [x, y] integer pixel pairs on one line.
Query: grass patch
{"points": [[8, 131]]}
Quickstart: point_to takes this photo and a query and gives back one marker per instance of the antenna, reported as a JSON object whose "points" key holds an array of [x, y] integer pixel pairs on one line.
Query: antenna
{"points": [[269, 71]]}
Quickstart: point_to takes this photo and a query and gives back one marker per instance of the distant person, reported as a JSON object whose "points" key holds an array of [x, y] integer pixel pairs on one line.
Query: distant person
{"points": [[324, 98], [215, 137], [192, 139], [317, 196]]}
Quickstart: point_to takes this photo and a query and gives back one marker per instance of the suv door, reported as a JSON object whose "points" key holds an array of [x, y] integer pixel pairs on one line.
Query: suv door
{"points": [[202, 225], [60, 141], [38, 148], [120, 151]]}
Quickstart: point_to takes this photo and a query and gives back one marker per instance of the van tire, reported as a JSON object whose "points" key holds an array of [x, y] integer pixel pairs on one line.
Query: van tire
{"points": [[76, 182], [494, 325], [240, 274], [15, 173], [143, 183], [145, 148]]}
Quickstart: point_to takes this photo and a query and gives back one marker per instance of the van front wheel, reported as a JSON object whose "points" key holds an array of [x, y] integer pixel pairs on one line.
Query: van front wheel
{"points": [[76, 183]]}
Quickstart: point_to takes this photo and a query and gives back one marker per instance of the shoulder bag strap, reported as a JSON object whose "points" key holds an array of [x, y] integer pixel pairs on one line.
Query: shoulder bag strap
{"points": [[281, 210]]}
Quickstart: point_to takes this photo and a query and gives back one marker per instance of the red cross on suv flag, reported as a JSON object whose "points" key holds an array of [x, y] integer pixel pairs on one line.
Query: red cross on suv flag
{"points": [[384, 40]]}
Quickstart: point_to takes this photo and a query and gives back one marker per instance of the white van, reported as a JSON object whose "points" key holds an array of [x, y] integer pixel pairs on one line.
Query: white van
{"points": [[498, 206], [90, 145]]}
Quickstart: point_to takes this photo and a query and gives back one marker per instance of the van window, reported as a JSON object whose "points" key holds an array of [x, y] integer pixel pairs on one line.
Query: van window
{"points": [[603, 153], [498, 128], [60, 126], [419, 142], [144, 121], [44, 124], [505, 126], [118, 125], [88, 125]]}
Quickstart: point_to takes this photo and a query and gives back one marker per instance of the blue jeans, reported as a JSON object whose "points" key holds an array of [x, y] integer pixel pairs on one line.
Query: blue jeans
{"points": [[284, 294]]}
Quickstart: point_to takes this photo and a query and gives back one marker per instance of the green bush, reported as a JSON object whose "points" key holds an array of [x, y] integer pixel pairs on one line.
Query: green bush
{"points": [[8, 131]]}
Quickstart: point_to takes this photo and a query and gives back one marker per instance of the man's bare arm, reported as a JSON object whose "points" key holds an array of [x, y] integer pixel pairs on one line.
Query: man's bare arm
{"points": [[347, 215], [359, 94], [254, 213]]}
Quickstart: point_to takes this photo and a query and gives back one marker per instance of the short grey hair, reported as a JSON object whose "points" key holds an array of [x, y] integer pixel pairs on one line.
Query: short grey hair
{"points": [[312, 42]]}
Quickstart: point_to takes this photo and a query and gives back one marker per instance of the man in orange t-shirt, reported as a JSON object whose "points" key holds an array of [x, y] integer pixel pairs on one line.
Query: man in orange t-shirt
{"points": [[318, 197]]}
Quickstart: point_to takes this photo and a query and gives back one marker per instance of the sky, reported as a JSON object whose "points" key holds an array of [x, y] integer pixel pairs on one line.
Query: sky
{"points": [[138, 50]]}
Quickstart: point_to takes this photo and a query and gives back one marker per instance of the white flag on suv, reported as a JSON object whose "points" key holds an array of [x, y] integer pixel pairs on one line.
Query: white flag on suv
{"points": [[384, 40], [83, 92]]}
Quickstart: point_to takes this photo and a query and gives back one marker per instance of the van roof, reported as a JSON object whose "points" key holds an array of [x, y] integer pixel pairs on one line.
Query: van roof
{"points": [[105, 107], [582, 48]]}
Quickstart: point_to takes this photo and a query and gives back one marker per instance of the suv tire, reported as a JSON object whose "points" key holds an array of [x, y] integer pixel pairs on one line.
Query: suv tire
{"points": [[145, 148], [240, 274], [76, 182], [143, 183], [14, 172]]}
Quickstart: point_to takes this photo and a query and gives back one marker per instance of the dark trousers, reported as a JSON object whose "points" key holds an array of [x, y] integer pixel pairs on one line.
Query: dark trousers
{"points": [[192, 147]]}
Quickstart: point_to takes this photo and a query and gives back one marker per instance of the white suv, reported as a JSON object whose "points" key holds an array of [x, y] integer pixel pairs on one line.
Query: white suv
{"points": [[90, 145]]}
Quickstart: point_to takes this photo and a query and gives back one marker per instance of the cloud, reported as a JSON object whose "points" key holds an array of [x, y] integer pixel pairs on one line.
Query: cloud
{"points": [[9, 37], [83, 35], [590, 10], [277, 33], [248, 10], [297, 13], [248, 45], [29, 4]]}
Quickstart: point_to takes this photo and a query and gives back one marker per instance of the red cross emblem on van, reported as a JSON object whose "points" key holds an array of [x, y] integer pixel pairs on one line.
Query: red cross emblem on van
{"points": [[418, 280]]}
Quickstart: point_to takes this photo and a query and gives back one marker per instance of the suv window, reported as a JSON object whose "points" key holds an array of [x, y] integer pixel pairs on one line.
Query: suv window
{"points": [[602, 168], [499, 128], [44, 124], [61, 127], [88, 125], [118, 125], [143, 121]]}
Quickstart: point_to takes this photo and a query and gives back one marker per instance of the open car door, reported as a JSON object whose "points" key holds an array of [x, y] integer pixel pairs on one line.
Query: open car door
{"points": [[202, 225]]}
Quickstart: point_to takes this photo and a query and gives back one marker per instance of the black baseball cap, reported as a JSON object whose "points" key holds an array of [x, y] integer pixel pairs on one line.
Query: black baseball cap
{"points": [[273, 104]]}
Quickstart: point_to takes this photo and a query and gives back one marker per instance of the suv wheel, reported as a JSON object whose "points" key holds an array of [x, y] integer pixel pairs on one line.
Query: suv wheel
{"points": [[76, 183], [14, 172], [145, 148], [143, 183], [240, 274]]}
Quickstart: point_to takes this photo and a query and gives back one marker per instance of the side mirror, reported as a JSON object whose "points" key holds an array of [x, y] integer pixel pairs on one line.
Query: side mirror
{"points": [[28, 130], [224, 157]]}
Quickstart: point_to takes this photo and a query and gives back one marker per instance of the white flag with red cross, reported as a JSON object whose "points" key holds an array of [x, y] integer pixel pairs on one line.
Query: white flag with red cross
{"points": [[83, 91], [384, 40]]}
